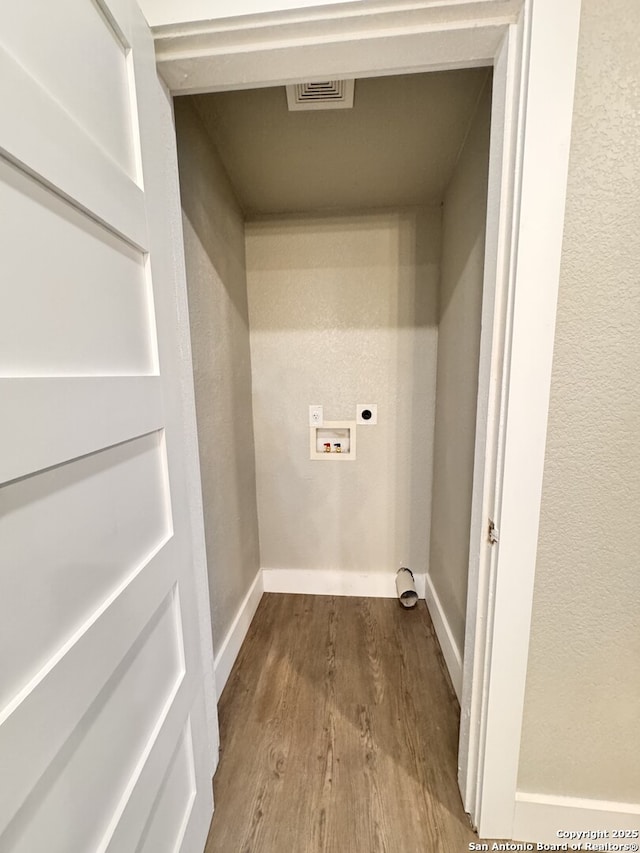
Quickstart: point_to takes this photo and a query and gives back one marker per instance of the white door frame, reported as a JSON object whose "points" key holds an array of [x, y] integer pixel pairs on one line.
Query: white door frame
{"points": [[532, 45]]}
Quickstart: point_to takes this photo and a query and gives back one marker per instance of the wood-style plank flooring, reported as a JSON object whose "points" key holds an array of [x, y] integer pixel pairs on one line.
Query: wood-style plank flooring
{"points": [[339, 730]]}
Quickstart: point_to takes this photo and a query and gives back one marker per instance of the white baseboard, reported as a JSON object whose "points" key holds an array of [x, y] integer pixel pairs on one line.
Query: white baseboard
{"points": [[330, 582], [539, 818], [450, 650], [228, 653]]}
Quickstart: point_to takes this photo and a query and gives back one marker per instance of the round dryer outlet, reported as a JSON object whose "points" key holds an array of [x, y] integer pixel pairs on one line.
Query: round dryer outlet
{"points": [[367, 413]]}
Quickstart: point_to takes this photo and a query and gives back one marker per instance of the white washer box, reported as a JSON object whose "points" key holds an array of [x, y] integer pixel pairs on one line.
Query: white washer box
{"points": [[334, 441]]}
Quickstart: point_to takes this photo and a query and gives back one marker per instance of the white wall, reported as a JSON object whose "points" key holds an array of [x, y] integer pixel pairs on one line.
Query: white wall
{"points": [[343, 311], [460, 306], [160, 12], [216, 279], [581, 735]]}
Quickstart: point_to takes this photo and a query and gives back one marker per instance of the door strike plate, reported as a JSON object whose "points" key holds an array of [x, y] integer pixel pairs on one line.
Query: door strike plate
{"points": [[494, 533]]}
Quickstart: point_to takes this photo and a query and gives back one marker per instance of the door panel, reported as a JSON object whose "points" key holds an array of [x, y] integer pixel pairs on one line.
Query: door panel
{"points": [[104, 739], [98, 758], [152, 799], [40, 135], [80, 557], [59, 420], [172, 802], [84, 305], [72, 51]]}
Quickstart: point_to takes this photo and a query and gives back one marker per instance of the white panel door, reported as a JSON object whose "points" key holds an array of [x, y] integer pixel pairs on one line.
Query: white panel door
{"points": [[105, 653]]}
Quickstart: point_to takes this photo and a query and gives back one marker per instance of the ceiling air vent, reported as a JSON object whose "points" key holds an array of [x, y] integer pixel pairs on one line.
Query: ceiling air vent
{"points": [[326, 95]]}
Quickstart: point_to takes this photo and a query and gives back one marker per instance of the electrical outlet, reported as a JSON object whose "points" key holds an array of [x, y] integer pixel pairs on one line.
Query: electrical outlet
{"points": [[316, 417], [367, 413]]}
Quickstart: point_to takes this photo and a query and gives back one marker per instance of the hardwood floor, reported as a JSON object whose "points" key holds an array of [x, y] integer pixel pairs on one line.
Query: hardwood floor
{"points": [[339, 731]]}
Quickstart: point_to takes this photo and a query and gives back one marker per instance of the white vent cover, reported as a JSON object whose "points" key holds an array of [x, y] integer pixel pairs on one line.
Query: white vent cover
{"points": [[326, 95]]}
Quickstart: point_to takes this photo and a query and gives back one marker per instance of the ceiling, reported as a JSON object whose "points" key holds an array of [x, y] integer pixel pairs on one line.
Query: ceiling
{"points": [[397, 146]]}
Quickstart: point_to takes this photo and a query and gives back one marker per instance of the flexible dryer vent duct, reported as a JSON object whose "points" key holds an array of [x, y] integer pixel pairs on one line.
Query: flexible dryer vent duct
{"points": [[406, 588], [325, 95]]}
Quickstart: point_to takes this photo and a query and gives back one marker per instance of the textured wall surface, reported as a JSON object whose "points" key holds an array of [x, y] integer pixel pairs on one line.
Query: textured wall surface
{"points": [[460, 306], [343, 311], [216, 281], [581, 735]]}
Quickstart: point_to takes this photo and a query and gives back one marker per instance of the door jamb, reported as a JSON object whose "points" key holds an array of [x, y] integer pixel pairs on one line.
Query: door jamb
{"points": [[532, 45], [492, 372], [542, 136]]}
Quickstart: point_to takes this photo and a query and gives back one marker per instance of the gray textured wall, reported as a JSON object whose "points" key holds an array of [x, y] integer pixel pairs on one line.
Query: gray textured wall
{"points": [[460, 307], [581, 735], [343, 311], [216, 281]]}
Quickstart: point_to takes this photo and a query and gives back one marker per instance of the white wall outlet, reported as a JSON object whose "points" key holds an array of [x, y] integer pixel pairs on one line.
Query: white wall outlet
{"points": [[367, 413], [316, 417]]}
